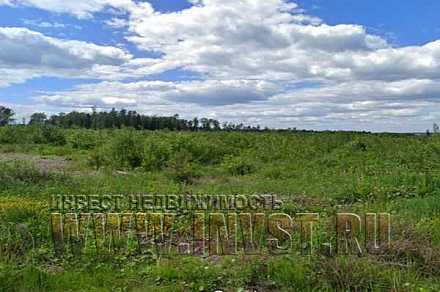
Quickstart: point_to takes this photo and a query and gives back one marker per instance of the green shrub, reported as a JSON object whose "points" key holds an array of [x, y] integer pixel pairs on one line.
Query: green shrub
{"points": [[21, 176], [18, 171], [36, 134], [156, 153], [99, 157], [182, 168], [290, 272], [13, 134], [127, 149], [43, 134], [204, 149], [238, 165], [83, 139], [53, 136]]}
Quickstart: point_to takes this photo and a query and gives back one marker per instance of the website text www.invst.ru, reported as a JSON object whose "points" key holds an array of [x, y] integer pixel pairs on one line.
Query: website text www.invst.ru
{"points": [[203, 225]]}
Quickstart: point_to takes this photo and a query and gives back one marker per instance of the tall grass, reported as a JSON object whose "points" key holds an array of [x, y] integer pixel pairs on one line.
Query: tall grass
{"points": [[319, 172]]}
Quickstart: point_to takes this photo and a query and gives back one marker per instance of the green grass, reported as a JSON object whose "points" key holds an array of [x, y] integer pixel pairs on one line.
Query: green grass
{"points": [[315, 172]]}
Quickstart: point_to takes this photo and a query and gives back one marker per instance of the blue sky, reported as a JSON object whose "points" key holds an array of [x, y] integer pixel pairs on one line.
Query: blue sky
{"points": [[405, 22], [315, 64]]}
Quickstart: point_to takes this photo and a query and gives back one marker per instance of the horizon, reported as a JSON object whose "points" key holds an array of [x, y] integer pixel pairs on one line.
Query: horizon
{"points": [[246, 127], [311, 65]]}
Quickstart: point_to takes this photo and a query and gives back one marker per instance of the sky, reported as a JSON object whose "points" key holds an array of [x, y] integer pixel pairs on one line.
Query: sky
{"points": [[310, 64]]}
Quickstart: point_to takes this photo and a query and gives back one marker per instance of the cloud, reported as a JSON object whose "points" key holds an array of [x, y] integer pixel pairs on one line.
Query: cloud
{"points": [[330, 106], [25, 54], [262, 62], [204, 93], [214, 93], [117, 22], [49, 25], [44, 24], [249, 39], [263, 40], [80, 8], [274, 40], [372, 90], [408, 105]]}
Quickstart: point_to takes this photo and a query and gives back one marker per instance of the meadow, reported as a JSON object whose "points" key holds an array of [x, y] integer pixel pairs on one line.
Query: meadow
{"points": [[323, 172]]}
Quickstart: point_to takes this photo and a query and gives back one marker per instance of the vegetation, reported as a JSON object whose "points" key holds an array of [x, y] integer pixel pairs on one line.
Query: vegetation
{"points": [[6, 115], [124, 118], [315, 172]]}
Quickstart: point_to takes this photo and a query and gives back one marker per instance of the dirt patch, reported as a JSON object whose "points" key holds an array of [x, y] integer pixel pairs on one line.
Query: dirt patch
{"points": [[43, 163]]}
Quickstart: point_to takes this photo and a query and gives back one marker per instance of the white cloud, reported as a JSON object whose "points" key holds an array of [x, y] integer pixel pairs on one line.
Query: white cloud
{"points": [[250, 39], [79, 8], [117, 22], [330, 106], [39, 23], [270, 40], [26, 54], [44, 24], [259, 61], [360, 91], [206, 93]]}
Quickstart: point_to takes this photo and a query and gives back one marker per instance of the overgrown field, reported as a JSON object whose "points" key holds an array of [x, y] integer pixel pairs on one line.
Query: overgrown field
{"points": [[311, 172]]}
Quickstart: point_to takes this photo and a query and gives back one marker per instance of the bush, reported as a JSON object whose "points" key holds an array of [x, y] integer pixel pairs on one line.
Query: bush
{"points": [[182, 168], [13, 134], [204, 148], [20, 172], [156, 154], [184, 172], [99, 157], [160, 150], [53, 136], [83, 139], [127, 149], [238, 165], [39, 134]]}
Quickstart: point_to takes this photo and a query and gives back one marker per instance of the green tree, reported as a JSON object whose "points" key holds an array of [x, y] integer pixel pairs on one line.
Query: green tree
{"points": [[6, 115], [38, 118]]}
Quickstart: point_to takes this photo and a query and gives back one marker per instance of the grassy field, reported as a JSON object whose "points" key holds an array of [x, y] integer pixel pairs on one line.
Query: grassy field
{"points": [[311, 172]]}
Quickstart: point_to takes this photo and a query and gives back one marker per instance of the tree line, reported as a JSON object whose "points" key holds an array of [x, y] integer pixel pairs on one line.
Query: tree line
{"points": [[124, 118], [129, 118]]}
